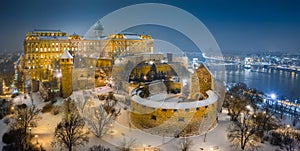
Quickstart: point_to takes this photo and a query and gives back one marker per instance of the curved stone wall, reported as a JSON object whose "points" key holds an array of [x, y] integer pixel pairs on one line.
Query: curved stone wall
{"points": [[174, 118]]}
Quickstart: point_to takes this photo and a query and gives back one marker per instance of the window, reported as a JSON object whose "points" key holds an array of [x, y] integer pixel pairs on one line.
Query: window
{"points": [[153, 117], [197, 109], [187, 110], [175, 110], [180, 119], [164, 110], [206, 106]]}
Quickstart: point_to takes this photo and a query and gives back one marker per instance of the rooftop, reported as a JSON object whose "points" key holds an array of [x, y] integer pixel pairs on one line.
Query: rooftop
{"points": [[161, 101], [47, 30], [66, 55]]}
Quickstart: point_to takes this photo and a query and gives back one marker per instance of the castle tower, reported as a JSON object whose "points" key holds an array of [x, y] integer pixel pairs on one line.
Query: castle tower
{"points": [[66, 65]]}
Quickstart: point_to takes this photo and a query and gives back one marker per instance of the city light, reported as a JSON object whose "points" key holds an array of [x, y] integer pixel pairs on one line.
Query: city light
{"points": [[273, 96]]}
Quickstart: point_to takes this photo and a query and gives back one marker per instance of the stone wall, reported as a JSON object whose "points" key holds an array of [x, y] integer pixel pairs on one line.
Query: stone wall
{"points": [[174, 122]]}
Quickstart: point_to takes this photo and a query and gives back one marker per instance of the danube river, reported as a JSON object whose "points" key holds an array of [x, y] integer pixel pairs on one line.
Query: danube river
{"points": [[282, 83]]}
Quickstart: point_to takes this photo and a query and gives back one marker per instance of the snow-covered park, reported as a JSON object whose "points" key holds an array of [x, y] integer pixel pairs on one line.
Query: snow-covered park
{"points": [[121, 130]]}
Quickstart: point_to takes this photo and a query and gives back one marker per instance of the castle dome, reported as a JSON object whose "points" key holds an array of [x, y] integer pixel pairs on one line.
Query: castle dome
{"points": [[98, 26]]}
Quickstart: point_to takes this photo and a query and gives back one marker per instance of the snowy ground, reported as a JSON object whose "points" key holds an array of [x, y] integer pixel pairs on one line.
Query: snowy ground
{"points": [[120, 130]]}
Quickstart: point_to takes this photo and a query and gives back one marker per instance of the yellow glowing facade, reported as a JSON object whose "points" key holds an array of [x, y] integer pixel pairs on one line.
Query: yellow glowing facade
{"points": [[43, 48], [42, 51], [66, 64]]}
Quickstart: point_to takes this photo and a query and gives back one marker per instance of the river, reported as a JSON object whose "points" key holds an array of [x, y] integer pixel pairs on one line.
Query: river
{"points": [[282, 83]]}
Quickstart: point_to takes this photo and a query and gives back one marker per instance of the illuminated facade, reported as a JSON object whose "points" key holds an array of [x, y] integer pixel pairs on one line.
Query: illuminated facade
{"points": [[66, 64], [42, 51], [43, 48], [170, 115]]}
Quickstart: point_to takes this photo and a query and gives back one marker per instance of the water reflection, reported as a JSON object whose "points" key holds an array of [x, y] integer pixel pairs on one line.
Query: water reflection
{"points": [[285, 83]]}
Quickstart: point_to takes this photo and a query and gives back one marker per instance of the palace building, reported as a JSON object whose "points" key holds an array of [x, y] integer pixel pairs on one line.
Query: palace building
{"points": [[43, 50]]}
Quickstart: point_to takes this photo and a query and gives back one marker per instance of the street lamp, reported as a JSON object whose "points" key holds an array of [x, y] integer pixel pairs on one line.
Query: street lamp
{"points": [[144, 145], [29, 131], [37, 139], [12, 109], [111, 128]]}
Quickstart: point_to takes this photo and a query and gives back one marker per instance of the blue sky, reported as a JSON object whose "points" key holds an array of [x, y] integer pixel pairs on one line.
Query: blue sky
{"points": [[237, 25]]}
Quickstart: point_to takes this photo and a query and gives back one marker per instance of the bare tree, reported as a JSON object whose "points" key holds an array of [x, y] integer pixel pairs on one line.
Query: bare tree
{"points": [[126, 145], [236, 105], [265, 121], [25, 117], [69, 132], [286, 137], [99, 119], [185, 144], [243, 133], [81, 103]]}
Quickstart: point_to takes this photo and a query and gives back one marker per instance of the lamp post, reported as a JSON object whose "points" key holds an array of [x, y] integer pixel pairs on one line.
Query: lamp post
{"points": [[144, 145], [29, 131], [37, 139], [111, 128], [12, 109]]}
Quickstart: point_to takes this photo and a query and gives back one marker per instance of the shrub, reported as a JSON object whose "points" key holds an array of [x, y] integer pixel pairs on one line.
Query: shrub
{"points": [[47, 108], [10, 137], [55, 110], [98, 148], [22, 106], [6, 121], [101, 97], [53, 100]]}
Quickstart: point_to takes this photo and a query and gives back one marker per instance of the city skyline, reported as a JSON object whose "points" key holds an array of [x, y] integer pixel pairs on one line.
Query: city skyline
{"points": [[250, 25]]}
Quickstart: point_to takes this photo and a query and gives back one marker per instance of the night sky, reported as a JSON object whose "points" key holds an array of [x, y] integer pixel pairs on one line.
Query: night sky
{"points": [[237, 25]]}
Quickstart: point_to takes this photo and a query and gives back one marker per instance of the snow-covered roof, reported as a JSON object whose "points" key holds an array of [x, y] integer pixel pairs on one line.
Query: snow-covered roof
{"points": [[53, 37], [132, 36], [173, 103], [66, 55], [46, 30]]}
